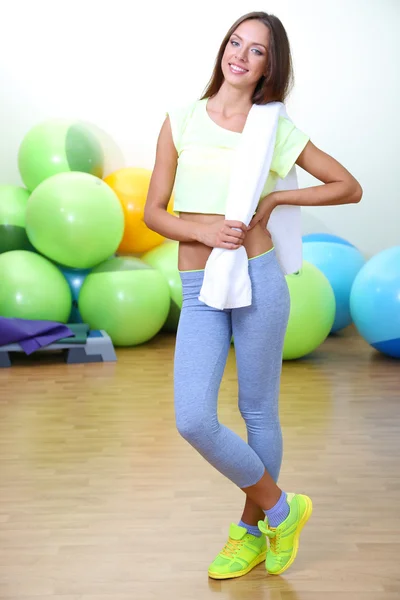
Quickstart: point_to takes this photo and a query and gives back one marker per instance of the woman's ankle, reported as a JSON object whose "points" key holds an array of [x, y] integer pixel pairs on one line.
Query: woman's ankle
{"points": [[251, 515]]}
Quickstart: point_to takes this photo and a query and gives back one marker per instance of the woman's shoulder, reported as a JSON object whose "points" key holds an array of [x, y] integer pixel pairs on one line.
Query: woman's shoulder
{"points": [[179, 117], [286, 128], [284, 124], [183, 110]]}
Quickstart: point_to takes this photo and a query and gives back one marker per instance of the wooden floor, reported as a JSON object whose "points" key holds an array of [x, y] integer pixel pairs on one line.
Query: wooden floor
{"points": [[101, 500]]}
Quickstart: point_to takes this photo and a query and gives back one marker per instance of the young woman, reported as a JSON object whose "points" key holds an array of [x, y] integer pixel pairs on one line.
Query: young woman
{"points": [[194, 153]]}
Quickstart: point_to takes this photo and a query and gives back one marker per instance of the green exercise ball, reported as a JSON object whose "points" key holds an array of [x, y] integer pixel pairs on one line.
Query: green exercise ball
{"points": [[164, 258], [126, 298], [31, 287], [59, 146], [75, 219], [312, 311], [13, 202]]}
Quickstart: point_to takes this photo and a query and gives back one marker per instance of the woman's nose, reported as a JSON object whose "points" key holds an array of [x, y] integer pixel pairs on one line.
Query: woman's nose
{"points": [[241, 56]]}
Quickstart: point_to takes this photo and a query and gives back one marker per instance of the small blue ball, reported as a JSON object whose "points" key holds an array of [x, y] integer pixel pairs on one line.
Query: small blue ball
{"points": [[75, 279]]}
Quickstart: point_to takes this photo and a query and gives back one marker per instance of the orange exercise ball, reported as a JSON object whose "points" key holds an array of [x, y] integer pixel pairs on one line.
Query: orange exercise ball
{"points": [[131, 186]]}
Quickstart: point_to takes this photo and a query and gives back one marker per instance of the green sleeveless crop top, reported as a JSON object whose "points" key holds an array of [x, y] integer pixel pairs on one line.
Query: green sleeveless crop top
{"points": [[205, 152]]}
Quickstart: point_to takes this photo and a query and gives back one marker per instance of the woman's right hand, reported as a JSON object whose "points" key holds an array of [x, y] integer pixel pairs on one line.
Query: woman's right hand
{"points": [[222, 234]]}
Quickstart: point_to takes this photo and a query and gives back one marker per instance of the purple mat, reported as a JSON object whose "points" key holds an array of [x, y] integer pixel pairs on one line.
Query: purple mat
{"points": [[30, 334]]}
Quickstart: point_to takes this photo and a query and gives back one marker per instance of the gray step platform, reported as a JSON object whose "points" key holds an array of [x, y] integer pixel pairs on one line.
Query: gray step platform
{"points": [[98, 348]]}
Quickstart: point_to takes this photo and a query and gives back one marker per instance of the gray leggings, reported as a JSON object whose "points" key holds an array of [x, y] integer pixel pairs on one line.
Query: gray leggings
{"points": [[202, 345]]}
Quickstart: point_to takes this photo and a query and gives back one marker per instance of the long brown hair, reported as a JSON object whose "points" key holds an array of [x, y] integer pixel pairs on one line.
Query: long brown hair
{"points": [[276, 85]]}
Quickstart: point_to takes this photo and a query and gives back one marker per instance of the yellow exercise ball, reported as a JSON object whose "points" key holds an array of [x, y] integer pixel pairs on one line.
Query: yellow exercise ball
{"points": [[131, 186]]}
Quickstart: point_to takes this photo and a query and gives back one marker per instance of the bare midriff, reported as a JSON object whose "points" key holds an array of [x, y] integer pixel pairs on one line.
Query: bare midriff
{"points": [[194, 255]]}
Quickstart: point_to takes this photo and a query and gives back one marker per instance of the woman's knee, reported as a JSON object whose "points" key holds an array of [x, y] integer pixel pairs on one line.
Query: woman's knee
{"points": [[195, 428], [188, 428], [261, 411]]}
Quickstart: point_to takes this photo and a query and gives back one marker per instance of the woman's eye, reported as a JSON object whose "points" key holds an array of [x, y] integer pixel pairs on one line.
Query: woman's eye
{"points": [[255, 50]]}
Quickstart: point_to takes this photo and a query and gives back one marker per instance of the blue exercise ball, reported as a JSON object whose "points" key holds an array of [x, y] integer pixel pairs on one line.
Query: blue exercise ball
{"points": [[325, 237], [375, 302], [340, 263], [75, 279]]}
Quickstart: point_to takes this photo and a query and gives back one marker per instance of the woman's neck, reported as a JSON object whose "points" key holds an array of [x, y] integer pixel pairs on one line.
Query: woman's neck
{"points": [[231, 101]]}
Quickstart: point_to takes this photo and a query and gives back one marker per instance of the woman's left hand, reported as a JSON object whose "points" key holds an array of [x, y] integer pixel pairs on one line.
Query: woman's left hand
{"points": [[264, 210]]}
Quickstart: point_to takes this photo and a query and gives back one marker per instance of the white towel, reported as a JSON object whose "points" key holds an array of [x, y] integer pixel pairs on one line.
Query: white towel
{"points": [[226, 281]]}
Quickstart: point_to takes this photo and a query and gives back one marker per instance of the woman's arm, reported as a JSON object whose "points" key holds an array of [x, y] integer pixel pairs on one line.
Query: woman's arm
{"points": [[162, 180], [340, 187], [221, 234]]}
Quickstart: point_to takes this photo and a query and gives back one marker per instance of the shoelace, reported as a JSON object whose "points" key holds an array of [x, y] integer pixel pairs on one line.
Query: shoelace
{"points": [[275, 543], [231, 547], [273, 535]]}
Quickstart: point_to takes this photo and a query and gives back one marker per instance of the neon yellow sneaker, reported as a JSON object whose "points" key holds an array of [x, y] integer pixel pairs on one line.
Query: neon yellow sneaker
{"points": [[284, 539], [240, 555]]}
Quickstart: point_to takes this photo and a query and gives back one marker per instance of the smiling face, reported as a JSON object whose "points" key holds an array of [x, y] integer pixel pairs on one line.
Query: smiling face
{"points": [[245, 58]]}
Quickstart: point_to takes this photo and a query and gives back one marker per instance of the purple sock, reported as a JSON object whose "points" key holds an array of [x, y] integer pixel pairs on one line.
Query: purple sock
{"points": [[253, 529], [278, 513]]}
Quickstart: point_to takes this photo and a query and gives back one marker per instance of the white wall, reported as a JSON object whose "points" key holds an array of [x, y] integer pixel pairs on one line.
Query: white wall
{"points": [[120, 64]]}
